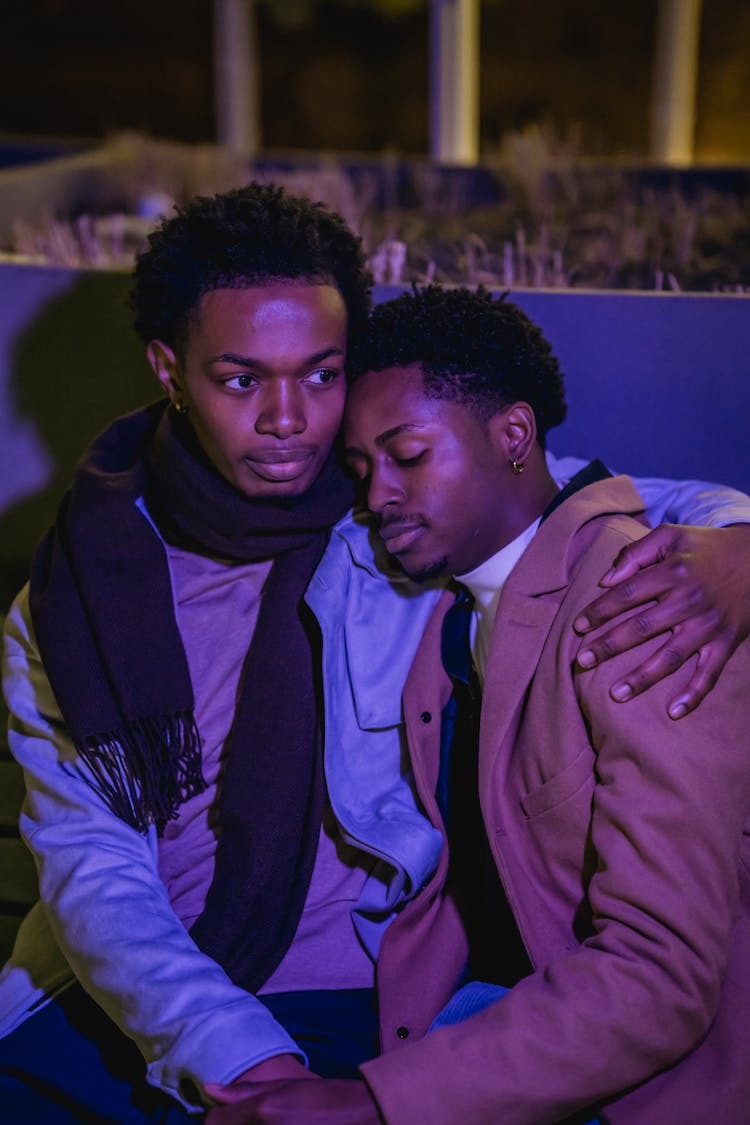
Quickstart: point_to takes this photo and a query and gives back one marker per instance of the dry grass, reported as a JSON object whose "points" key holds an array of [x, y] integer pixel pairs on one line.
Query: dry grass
{"points": [[553, 221]]}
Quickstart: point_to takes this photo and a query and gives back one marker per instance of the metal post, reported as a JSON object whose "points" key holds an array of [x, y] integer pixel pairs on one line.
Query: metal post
{"points": [[674, 81], [454, 81], [236, 75]]}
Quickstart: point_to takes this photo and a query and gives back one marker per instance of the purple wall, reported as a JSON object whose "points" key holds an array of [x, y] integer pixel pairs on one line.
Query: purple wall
{"points": [[657, 384]]}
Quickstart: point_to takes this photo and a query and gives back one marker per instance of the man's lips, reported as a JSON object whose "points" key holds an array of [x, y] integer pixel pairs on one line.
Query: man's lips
{"points": [[281, 464], [400, 536]]}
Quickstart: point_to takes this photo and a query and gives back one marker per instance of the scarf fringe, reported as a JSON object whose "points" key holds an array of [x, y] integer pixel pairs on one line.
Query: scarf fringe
{"points": [[146, 768]]}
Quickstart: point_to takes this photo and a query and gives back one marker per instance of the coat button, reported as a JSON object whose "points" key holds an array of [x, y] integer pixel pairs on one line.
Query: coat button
{"points": [[402, 1032], [426, 717]]}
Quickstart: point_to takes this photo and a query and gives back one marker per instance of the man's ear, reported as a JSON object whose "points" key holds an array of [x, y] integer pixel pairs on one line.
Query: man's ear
{"points": [[165, 366], [513, 430]]}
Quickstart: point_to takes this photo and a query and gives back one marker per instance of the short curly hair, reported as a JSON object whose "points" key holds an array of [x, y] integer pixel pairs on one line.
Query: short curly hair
{"points": [[481, 351], [249, 236]]}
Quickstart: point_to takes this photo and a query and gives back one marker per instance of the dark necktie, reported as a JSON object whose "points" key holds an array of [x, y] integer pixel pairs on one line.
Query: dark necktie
{"points": [[460, 718], [496, 951]]}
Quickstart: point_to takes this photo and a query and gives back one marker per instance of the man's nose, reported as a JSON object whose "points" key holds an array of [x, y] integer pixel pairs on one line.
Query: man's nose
{"points": [[283, 411], [385, 488]]}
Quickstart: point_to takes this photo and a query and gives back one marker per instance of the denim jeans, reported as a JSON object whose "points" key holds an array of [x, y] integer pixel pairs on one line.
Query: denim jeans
{"points": [[68, 1064]]}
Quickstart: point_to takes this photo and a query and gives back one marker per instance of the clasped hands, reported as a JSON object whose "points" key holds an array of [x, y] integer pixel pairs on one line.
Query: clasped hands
{"points": [[281, 1091]]}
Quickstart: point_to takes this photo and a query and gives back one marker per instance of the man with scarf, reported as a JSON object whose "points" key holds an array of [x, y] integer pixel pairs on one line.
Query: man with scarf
{"points": [[206, 613]]}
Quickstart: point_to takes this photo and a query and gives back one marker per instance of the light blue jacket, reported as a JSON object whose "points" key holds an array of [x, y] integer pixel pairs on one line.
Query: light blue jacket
{"points": [[106, 915]]}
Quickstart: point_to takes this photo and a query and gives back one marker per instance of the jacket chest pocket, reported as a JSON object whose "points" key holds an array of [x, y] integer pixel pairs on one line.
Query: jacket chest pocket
{"points": [[574, 781]]}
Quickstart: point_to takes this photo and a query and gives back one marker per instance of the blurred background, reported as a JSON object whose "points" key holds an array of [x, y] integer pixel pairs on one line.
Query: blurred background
{"points": [[354, 74], [547, 144]]}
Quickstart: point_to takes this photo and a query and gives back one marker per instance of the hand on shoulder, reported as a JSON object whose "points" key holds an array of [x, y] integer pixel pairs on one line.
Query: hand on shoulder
{"points": [[691, 585]]}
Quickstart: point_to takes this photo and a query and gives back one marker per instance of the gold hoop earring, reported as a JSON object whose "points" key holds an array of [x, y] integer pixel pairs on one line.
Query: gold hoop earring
{"points": [[517, 467], [180, 405]]}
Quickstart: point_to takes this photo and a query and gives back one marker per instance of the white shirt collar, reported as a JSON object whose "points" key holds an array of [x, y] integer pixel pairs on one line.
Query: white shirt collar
{"points": [[486, 582]]}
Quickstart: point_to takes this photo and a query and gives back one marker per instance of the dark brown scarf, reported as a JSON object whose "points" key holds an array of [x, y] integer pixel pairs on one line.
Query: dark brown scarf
{"points": [[102, 607]]}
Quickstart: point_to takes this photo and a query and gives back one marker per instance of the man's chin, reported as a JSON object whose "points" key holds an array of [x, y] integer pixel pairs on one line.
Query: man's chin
{"points": [[425, 572], [275, 490]]}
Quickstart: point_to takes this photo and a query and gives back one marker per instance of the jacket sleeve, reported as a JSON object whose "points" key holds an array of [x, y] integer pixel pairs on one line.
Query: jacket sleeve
{"points": [[673, 501], [110, 912], [666, 804]]}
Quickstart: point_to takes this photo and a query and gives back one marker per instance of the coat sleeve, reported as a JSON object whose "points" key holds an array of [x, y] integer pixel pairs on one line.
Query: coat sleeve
{"points": [[660, 892], [672, 501], [109, 911]]}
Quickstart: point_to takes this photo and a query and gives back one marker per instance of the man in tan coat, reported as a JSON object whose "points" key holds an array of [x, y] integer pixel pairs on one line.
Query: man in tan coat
{"points": [[597, 855]]}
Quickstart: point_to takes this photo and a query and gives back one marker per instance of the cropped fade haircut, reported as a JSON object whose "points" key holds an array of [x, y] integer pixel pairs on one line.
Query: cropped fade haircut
{"points": [[253, 235], [474, 349]]}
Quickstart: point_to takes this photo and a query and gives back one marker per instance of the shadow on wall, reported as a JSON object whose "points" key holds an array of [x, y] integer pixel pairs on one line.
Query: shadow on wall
{"points": [[68, 365]]}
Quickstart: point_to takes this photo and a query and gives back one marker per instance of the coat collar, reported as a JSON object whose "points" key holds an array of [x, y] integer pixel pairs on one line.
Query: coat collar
{"points": [[546, 563], [525, 616]]}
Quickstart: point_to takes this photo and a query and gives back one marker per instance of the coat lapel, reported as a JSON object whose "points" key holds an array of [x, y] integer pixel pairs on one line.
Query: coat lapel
{"points": [[527, 609], [521, 628]]}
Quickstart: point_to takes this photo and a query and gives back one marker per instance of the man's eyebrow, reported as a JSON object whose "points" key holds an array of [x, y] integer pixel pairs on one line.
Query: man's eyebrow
{"points": [[404, 427], [382, 439], [258, 365]]}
